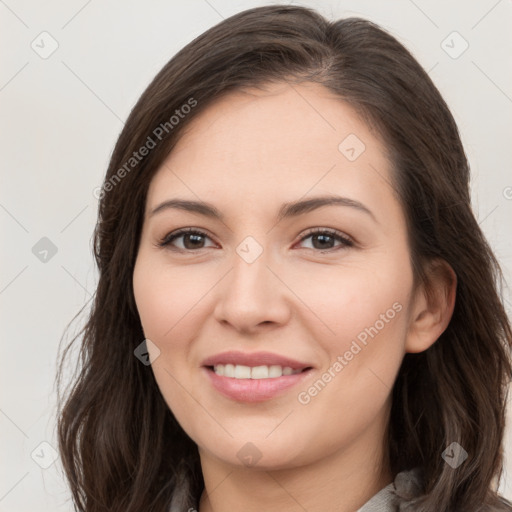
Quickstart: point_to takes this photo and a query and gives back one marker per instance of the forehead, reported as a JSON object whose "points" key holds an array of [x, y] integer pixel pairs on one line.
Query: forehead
{"points": [[283, 141]]}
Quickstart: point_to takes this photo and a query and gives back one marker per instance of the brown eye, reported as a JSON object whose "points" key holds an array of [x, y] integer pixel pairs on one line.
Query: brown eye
{"points": [[191, 239], [324, 240]]}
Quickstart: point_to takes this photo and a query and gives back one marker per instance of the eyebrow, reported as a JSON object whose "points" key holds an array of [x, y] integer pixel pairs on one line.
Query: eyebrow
{"points": [[287, 210]]}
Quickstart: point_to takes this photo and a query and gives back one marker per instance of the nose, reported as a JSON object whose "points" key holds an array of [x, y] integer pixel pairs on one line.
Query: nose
{"points": [[253, 296]]}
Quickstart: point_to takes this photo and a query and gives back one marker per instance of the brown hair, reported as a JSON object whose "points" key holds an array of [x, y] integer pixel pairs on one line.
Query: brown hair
{"points": [[122, 449]]}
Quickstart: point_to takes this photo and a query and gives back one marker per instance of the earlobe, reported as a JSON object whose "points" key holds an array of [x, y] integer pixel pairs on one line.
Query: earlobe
{"points": [[432, 308]]}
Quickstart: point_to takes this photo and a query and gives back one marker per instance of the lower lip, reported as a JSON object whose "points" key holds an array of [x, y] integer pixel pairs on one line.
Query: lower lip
{"points": [[254, 390]]}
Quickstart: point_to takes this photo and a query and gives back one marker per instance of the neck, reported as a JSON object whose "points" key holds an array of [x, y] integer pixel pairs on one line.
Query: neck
{"points": [[344, 481]]}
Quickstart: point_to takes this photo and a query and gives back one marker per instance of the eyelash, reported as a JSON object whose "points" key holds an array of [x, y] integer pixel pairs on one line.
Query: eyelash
{"points": [[345, 241]]}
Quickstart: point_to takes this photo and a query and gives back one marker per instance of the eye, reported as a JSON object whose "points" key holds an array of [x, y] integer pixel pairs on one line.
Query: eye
{"points": [[323, 239], [192, 239]]}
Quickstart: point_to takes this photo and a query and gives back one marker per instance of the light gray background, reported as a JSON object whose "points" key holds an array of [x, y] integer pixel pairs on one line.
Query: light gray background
{"points": [[61, 116]]}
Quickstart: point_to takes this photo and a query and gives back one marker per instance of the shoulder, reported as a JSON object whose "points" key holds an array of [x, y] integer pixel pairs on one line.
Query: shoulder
{"points": [[406, 486], [410, 484]]}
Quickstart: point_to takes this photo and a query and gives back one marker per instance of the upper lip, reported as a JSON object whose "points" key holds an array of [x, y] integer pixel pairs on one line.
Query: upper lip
{"points": [[254, 359]]}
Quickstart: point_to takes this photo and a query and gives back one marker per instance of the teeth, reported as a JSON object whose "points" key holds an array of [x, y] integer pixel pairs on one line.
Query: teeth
{"points": [[260, 372], [275, 371], [240, 371]]}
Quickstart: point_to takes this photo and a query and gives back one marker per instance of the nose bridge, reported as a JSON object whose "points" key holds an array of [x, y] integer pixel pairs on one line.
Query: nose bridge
{"points": [[251, 293], [250, 276]]}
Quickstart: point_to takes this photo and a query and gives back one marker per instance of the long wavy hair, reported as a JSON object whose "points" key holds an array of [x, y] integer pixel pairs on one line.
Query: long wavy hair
{"points": [[121, 447]]}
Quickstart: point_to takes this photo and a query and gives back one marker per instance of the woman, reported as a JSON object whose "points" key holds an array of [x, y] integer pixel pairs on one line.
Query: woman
{"points": [[296, 307]]}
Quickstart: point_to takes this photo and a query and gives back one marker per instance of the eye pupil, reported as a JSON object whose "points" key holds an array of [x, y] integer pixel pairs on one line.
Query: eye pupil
{"points": [[322, 238], [198, 239]]}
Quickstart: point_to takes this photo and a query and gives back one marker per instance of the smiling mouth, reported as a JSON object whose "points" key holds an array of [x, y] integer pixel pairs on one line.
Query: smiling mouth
{"points": [[252, 384], [256, 376], [239, 371]]}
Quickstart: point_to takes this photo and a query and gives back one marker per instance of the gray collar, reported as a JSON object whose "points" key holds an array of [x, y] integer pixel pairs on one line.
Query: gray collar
{"points": [[407, 484]]}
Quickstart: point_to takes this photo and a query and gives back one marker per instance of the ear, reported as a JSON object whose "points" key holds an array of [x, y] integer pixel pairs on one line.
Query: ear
{"points": [[432, 306]]}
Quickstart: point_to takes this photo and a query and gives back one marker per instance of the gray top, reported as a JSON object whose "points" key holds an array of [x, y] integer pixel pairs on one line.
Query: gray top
{"points": [[406, 485]]}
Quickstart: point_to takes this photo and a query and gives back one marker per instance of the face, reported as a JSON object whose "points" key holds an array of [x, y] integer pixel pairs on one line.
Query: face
{"points": [[278, 320]]}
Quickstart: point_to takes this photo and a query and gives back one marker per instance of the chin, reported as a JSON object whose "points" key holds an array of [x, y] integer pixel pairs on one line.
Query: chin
{"points": [[261, 452]]}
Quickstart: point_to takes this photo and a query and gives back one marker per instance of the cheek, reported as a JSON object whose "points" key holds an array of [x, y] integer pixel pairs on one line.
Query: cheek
{"points": [[166, 298], [369, 319], [168, 304], [369, 314], [364, 320], [354, 302]]}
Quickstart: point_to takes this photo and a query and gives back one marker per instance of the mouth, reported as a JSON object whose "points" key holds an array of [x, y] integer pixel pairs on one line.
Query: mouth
{"points": [[254, 377]]}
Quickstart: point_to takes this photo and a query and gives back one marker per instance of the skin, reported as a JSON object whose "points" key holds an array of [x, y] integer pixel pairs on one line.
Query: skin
{"points": [[296, 299]]}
